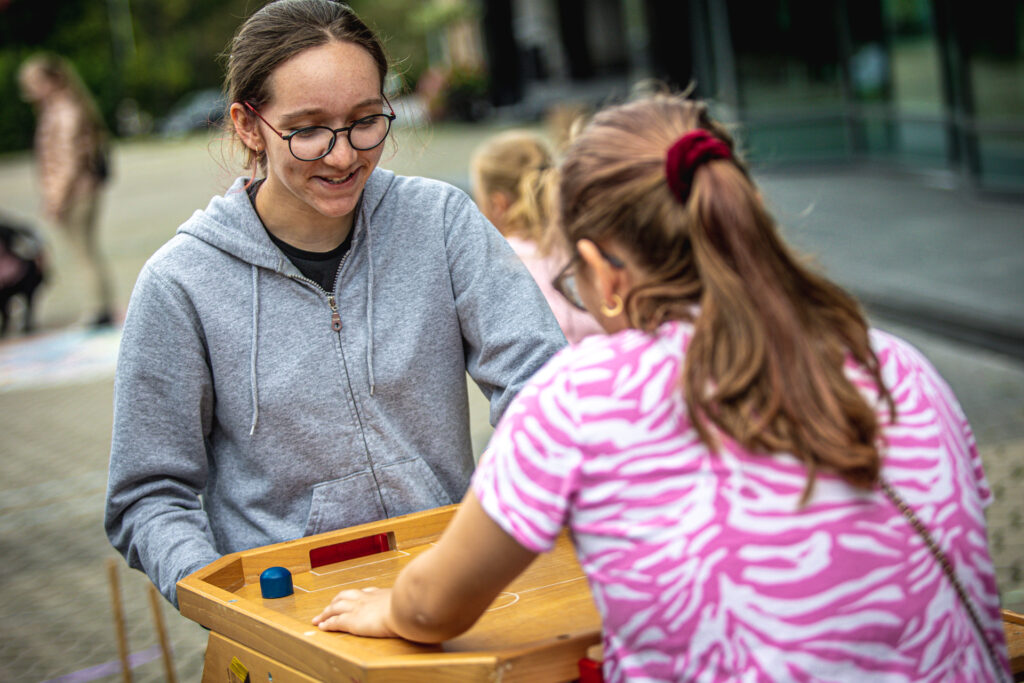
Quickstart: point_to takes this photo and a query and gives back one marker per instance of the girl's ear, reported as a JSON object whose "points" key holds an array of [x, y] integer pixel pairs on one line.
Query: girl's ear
{"points": [[246, 126], [608, 279], [498, 202]]}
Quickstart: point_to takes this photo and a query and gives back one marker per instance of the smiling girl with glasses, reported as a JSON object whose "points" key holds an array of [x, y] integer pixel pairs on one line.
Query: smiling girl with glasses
{"points": [[294, 360]]}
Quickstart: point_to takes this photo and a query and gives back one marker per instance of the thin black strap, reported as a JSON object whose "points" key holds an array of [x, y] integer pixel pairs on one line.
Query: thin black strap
{"points": [[947, 568]]}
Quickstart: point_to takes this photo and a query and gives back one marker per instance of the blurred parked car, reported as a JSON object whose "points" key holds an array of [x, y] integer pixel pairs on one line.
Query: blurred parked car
{"points": [[196, 111]]}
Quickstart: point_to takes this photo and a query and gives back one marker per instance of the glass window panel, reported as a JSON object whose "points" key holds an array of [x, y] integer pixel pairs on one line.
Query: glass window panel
{"points": [[1002, 160], [916, 66], [789, 78], [786, 53], [919, 131], [993, 36]]}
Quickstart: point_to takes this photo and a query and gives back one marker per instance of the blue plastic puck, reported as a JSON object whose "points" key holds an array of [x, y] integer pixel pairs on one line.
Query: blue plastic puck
{"points": [[276, 582]]}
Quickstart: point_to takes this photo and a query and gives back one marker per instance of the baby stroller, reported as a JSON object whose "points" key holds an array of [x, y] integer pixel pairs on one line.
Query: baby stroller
{"points": [[22, 271]]}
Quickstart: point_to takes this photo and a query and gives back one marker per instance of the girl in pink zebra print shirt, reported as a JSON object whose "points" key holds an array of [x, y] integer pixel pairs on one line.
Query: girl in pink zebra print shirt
{"points": [[717, 456]]}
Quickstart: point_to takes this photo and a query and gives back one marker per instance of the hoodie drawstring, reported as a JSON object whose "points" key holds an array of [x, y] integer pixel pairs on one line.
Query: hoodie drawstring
{"points": [[252, 353], [369, 303]]}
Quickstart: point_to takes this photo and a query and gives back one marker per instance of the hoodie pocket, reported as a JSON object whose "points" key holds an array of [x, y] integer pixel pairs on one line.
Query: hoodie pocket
{"points": [[411, 486], [343, 503]]}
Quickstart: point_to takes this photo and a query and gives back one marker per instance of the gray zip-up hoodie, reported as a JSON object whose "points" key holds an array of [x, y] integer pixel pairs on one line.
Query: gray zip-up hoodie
{"points": [[292, 411]]}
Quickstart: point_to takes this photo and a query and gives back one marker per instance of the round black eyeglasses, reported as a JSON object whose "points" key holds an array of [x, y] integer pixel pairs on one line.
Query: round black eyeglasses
{"points": [[316, 142]]}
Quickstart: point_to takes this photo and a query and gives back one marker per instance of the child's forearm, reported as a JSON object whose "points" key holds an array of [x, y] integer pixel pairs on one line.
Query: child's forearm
{"points": [[441, 592], [422, 609]]}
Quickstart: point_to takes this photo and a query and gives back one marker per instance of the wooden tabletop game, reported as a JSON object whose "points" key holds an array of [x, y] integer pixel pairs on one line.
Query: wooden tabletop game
{"points": [[536, 630]]}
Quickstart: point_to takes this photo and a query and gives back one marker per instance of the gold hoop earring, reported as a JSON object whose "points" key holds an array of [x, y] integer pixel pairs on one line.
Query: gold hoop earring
{"points": [[613, 310]]}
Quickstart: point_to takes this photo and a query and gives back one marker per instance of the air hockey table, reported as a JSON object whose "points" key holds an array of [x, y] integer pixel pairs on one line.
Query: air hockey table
{"points": [[538, 629]]}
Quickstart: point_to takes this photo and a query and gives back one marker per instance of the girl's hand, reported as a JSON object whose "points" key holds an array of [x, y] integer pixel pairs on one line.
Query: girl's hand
{"points": [[442, 591], [360, 612]]}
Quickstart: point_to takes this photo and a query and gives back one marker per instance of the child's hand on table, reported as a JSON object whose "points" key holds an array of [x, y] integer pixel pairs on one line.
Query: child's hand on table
{"points": [[442, 591], [362, 612]]}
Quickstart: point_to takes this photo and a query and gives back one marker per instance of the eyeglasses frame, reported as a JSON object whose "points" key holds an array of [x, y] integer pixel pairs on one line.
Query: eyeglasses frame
{"points": [[559, 281], [345, 129]]}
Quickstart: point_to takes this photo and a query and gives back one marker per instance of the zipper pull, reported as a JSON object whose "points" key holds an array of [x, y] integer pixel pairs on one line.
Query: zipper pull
{"points": [[335, 316]]}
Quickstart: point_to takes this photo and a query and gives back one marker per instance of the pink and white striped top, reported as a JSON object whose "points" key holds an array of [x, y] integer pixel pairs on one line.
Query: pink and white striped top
{"points": [[703, 566]]}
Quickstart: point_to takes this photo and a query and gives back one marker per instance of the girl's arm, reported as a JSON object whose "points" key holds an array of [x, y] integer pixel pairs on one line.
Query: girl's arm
{"points": [[443, 591], [163, 410], [508, 329]]}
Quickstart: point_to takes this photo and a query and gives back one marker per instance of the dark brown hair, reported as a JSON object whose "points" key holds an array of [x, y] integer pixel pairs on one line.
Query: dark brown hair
{"points": [[765, 364], [278, 32]]}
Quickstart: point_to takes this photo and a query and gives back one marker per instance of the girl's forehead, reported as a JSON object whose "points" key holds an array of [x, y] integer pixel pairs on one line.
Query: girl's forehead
{"points": [[335, 75], [34, 71]]}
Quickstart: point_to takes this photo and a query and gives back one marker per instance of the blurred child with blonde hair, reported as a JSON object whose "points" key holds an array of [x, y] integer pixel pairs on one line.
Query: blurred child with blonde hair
{"points": [[514, 182]]}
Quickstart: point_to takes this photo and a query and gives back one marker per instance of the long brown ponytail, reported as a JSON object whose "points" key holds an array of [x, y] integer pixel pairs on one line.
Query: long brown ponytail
{"points": [[765, 365]]}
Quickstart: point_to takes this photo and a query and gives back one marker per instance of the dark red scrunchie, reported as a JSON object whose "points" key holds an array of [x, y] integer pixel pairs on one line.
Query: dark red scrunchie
{"points": [[686, 155]]}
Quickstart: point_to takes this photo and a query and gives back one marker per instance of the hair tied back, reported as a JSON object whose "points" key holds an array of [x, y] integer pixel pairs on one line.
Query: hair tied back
{"points": [[689, 153]]}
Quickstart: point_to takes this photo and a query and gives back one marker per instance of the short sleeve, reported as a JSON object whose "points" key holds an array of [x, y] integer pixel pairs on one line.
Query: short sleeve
{"points": [[910, 361], [528, 476]]}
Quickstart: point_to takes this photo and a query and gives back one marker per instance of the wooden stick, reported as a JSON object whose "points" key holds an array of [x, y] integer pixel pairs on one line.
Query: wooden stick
{"points": [[155, 602], [122, 638]]}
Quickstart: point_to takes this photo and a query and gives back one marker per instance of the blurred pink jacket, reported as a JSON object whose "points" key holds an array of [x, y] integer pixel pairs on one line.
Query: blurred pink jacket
{"points": [[575, 324], [65, 144]]}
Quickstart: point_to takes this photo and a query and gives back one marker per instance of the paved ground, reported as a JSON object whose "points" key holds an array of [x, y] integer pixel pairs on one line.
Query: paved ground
{"points": [[915, 251]]}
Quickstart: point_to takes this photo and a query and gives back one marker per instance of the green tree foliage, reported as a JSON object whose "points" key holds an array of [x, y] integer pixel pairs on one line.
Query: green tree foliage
{"points": [[178, 48], [156, 51], [76, 29], [404, 39]]}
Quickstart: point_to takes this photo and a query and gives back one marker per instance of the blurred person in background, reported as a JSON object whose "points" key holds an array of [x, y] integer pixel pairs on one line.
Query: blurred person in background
{"points": [[294, 359], [513, 178], [758, 485], [71, 148]]}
